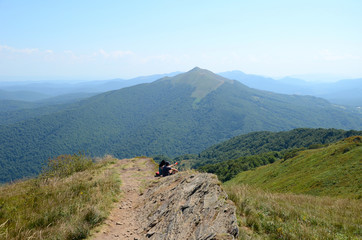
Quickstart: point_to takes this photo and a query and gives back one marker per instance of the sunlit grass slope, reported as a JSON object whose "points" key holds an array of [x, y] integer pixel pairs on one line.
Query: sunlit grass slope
{"points": [[330, 171], [72, 195], [266, 215]]}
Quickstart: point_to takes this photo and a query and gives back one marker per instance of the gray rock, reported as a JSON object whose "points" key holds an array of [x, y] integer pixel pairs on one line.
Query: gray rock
{"points": [[187, 206]]}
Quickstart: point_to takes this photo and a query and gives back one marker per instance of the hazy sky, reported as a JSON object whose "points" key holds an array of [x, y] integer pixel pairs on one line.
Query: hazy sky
{"points": [[122, 39]]}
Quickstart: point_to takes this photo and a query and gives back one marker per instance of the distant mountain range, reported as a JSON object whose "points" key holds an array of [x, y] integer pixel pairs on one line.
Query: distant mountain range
{"points": [[48, 89], [343, 92], [22, 95], [173, 115]]}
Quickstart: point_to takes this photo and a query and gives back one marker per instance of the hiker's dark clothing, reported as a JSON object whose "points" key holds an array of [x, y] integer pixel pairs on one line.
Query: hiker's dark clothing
{"points": [[160, 169], [166, 170]]}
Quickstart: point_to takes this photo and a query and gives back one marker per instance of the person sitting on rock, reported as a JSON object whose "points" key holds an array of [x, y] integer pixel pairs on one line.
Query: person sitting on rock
{"points": [[168, 170]]}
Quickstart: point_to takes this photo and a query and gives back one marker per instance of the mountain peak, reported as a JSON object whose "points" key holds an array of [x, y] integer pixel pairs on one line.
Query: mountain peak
{"points": [[203, 80], [195, 69]]}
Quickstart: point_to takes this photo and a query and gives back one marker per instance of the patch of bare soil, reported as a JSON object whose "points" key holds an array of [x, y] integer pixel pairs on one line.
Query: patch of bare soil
{"points": [[122, 222]]}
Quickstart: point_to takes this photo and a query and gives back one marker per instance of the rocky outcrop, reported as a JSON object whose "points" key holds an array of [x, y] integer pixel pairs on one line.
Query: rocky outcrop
{"points": [[187, 206]]}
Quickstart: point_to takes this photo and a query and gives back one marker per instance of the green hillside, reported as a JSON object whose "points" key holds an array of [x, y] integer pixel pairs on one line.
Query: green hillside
{"points": [[334, 170], [172, 116], [228, 169], [263, 142]]}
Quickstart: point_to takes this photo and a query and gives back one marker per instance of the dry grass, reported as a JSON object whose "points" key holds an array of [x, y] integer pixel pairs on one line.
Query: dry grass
{"points": [[264, 215], [54, 206]]}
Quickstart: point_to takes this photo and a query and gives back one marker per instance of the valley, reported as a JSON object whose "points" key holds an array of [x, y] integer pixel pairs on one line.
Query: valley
{"points": [[176, 115]]}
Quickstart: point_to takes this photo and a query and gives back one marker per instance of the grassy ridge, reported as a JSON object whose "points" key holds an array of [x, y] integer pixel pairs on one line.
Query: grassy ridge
{"points": [[331, 171], [65, 202], [265, 215]]}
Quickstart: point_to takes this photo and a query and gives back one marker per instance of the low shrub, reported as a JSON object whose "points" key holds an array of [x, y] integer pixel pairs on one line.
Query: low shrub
{"points": [[65, 165]]}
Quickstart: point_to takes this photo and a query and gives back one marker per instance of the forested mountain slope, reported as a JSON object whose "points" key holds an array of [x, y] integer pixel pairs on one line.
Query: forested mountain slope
{"points": [[12, 111], [171, 116]]}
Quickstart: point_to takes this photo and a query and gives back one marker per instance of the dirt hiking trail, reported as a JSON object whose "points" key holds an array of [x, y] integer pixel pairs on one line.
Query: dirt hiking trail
{"points": [[122, 223]]}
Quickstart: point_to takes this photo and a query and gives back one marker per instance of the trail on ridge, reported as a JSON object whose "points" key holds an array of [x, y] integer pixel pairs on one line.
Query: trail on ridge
{"points": [[187, 205], [122, 222]]}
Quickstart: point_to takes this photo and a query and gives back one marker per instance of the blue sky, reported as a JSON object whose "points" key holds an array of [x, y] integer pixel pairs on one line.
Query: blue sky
{"points": [[123, 39]]}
